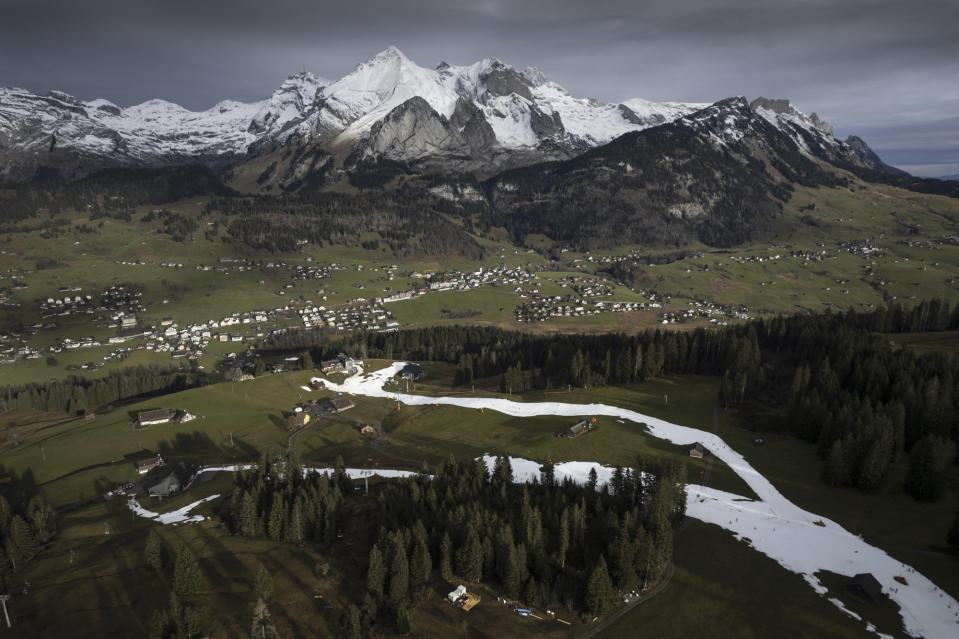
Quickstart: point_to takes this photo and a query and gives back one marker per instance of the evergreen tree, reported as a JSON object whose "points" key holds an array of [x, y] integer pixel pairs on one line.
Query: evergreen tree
{"points": [[469, 558], [277, 520], [376, 572], [446, 558], [23, 539], [154, 551], [928, 467], [835, 471], [421, 564], [564, 535], [599, 590], [186, 572], [401, 619], [306, 361], [159, 626], [263, 627], [263, 584], [259, 367], [399, 583], [352, 625]]}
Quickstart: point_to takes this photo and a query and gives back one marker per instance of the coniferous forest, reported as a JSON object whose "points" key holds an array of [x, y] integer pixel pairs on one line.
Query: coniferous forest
{"points": [[863, 401], [544, 542]]}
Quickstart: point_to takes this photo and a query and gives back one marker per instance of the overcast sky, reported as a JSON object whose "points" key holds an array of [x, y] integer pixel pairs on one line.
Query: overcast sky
{"points": [[886, 70]]}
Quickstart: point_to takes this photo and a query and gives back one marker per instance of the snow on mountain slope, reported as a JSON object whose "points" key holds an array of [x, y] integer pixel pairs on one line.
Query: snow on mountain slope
{"points": [[150, 133], [352, 104], [497, 116], [288, 105], [523, 108]]}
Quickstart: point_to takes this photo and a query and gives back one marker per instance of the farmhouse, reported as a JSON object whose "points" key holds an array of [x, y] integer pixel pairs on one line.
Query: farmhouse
{"points": [[579, 428], [159, 416], [332, 366], [340, 404], [298, 420], [696, 451], [178, 479], [317, 384], [146, 465]]}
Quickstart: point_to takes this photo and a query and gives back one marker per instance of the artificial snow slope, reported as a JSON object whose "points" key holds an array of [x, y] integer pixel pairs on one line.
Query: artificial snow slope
{"points": [[774, 525]]}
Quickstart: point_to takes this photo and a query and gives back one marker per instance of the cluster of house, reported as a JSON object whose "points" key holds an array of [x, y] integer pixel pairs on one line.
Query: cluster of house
{"points": [[370, 316], [585, 286], [14, 347], [110, 304], [862, 248], [544, 308], [311, 272], [460, 281]]}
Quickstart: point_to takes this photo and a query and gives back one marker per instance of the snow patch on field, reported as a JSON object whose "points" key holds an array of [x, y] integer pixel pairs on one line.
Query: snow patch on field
{"points": [[179, 516]]}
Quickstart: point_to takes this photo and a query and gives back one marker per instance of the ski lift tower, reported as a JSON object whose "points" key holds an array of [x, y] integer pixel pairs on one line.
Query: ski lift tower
{"points": [[3, 602]]}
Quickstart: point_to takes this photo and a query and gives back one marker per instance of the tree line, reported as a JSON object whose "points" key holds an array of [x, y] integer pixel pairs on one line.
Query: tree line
{"points": [[77, 395], [864, 402]]}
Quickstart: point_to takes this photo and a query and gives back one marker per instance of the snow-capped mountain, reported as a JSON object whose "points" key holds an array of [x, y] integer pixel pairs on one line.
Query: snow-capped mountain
{"points": [[482, 117], [76, 137]]}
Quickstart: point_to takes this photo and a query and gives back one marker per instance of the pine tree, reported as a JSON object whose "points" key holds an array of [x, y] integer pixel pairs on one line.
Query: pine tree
{"points": [[186, 572], [159, 627], [376, 573], [248, 515], [835, 471], [296, 530], [469, 559], [277, 521], [259, 367], [599, 590], [306, 361], [928, 467], [446, 558], [6, 515], [154, 551], [262, 623], [421, 565], [399, 584], [401, 619], [352, 624], [592, 480], [530, 592], [564, 536], [263, 584], [23, 539]]}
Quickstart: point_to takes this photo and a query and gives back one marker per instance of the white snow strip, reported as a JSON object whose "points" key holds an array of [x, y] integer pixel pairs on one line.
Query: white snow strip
{"points": [[773, 524], [179, 516]]}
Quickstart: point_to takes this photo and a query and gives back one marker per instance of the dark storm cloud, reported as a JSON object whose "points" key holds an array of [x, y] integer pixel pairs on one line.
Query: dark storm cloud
{"points": [[885, 70]]}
